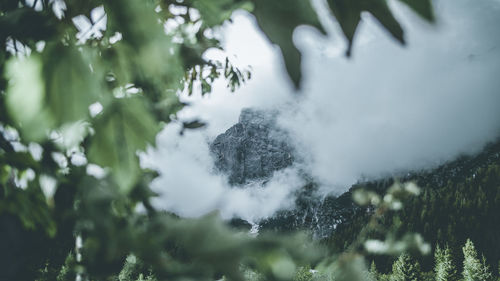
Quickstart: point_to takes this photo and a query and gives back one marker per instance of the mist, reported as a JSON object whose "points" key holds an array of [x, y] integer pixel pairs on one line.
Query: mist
{"points": [[189, 187], [392, 109], [387, 110]]}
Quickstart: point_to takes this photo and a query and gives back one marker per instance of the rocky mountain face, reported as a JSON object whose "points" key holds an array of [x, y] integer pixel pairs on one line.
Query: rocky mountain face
{"points": [[256, 147], [318, 215], [253, 149]]}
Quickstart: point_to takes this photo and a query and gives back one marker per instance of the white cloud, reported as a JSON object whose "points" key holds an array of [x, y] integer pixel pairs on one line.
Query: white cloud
{"points": [[189, 186], [387, 109], [390, 108]]}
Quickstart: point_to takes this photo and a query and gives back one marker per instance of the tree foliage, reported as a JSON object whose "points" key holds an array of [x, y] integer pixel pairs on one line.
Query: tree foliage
{"points": [[444, 268], [474, 268], [406, 269], [458, 200], [77, 104]]}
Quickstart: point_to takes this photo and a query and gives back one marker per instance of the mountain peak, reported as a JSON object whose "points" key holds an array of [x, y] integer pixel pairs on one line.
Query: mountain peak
{"points": [[252, 149]]}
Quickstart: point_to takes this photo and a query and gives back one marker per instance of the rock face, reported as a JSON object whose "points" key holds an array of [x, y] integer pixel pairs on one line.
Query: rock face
{"points": [[253, 149], [256, 147], [318, 215]]}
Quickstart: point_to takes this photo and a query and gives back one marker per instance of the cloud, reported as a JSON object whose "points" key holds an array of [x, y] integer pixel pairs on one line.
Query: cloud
{"points": [[391, 109], [386, 110], [189, 187]]}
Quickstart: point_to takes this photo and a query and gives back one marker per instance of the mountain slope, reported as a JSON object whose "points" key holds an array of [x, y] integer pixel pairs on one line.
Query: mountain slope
{"points": [[460, 199]]}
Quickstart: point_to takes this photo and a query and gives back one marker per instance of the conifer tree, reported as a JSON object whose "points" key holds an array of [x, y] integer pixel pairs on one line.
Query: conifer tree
{"points": [[373, 271], [485, 270], [406, 269], [444, 268], [498, 271], [474, 269]]}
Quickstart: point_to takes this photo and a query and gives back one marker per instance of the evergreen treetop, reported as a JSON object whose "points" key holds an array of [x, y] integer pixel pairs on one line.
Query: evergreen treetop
{"points": [[405, 268], [474, 269]]}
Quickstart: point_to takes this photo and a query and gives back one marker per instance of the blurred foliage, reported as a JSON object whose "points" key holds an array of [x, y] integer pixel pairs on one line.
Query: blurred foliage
{"points": [[257, 264], [303, 274], [278, 20], [79, 101], [349, 12]]}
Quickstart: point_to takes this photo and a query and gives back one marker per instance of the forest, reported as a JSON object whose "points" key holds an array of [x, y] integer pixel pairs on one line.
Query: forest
{"points": [[88, 89]]}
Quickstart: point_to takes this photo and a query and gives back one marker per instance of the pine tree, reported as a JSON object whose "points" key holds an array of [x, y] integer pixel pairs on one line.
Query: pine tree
{"points": [[474, 269], [373, 271], [485, 270], [498, 271], [406, 269], [443, 265]]}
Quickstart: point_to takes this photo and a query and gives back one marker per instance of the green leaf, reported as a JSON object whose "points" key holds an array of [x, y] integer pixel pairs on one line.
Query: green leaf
{"points": [[136, 20], [30, 206], [215, 12], [160, 63], [380, 10], [167, 108], [26, 24], [422, 7], [124, 128], [20, 160], [25, 95], [146, 55], [195, 124], [348, 14], [71, 84], [278, 20]]}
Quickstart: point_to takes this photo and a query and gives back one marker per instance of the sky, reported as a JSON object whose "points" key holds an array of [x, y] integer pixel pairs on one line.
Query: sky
{"points": [[387, 109]]}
